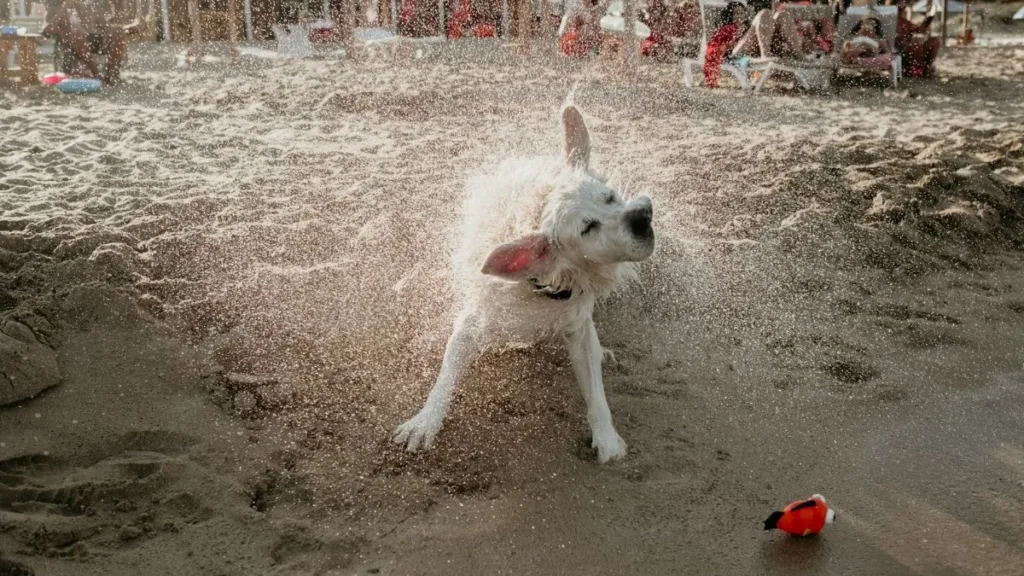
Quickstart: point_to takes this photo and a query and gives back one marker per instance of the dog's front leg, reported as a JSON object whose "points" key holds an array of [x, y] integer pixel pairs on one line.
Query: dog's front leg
{"points": [[462, 347], [585, 352]]}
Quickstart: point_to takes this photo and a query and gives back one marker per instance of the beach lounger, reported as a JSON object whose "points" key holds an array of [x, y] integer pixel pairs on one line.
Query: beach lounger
{"points": [[614, 21], [890, 63], [293, 40], [379, 42], [811, 71]]}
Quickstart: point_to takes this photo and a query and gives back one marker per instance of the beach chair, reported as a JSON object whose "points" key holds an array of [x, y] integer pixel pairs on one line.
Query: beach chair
{"points": [[890, 63], [379, 42], [293, 40], [710, 18], [614, 21], [812, 71]]}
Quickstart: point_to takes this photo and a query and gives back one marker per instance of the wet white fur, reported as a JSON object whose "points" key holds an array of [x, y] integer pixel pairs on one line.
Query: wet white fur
{"points": [[556, 197]]}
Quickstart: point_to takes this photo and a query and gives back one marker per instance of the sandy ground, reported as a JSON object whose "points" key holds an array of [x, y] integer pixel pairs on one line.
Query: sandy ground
{"points": [[238, 275]]}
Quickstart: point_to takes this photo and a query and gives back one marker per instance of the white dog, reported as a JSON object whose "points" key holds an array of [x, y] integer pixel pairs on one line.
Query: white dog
{"points": [[543, 240]]}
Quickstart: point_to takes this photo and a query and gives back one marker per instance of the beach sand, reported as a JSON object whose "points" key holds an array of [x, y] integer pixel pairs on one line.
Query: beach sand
{"points": [[226, 285]]}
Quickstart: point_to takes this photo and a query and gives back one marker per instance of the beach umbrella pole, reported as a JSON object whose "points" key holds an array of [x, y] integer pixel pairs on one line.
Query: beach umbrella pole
{"points": [[247, 8], [967, 17], [440, 17], [233, 28], [945, 11], [504, 19], [629, 47], [165, 19], [394, 15], [195, 51]]}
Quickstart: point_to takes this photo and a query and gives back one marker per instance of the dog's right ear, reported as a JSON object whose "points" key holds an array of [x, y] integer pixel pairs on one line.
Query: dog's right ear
{"points": [[530, 256], [576, 144]]}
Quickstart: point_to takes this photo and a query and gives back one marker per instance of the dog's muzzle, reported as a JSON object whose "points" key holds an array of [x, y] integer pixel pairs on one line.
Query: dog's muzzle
{"points": [[638, 218]]}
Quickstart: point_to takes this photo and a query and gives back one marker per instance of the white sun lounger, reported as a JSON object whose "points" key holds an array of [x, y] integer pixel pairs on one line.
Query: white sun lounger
{"points": [[894, 65], [811, 71]]}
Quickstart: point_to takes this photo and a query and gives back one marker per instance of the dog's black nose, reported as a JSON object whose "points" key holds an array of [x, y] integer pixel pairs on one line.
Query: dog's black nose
{"points": [[639, 220]]}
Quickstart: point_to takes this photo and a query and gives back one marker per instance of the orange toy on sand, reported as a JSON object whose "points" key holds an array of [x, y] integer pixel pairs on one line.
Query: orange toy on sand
{"points": [[802, 517]]}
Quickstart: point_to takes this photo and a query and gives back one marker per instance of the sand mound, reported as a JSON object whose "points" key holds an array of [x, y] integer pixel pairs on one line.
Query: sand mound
{"points": [[26, 366]]}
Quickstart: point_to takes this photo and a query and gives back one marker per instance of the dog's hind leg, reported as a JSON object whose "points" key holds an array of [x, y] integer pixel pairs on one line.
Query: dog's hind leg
{"points": [[460, 351], [585, 352]]}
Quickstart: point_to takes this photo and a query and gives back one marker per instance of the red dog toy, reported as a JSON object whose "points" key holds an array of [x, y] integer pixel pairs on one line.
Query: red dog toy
{"points": [[802, 517]]}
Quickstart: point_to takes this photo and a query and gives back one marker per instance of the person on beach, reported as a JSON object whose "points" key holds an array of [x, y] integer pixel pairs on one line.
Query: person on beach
{"points": [[583, 34], [769, 34], [779, 34], [914, 41], [680, 21], [724, 41], [82, 27], [867, 41]]}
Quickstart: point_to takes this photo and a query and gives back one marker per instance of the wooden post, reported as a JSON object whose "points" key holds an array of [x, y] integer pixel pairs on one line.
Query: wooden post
{"points": [[165, 17]]}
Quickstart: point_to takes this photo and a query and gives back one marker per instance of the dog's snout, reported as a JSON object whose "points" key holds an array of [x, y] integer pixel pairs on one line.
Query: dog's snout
{"points": [[638, 218]]}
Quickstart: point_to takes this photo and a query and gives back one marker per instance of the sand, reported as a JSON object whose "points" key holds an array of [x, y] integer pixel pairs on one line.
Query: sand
{"points": [[238, 276]]}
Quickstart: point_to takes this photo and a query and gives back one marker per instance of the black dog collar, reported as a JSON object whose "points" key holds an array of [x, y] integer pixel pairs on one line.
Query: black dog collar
{"points": [[550, 293]]}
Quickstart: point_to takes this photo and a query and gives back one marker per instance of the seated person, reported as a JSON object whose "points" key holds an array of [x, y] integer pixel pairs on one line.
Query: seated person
{"points": [[459, 20], [684, 20], [724, 41], [666, 24], [656, 18], [778, 34], [915, 43], [583, 32], [82, 28], [769, 34], [867, 41]]}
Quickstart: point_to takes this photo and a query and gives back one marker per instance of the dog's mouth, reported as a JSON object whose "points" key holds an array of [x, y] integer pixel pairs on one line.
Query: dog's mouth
{"points": [[643, 247]]}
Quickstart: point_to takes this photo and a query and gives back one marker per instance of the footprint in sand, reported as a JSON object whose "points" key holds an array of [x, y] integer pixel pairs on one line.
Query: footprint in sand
{"points": [[52, 506]]}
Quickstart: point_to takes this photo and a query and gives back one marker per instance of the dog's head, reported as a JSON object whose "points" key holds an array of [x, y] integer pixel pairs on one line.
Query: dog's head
{"points": [[585, 225]]}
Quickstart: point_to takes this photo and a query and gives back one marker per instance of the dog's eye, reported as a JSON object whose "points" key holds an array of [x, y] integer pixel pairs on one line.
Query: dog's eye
{"points": [[610, 199], [590, 225]]}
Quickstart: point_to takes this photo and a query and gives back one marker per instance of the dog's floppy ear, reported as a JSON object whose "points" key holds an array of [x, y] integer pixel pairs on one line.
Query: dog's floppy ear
{"points": [[529, 256], [576, 138]]}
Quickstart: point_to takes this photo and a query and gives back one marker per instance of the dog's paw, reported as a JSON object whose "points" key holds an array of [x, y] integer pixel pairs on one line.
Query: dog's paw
{"points": [[608, 355], [610, 446], [418, 432]]}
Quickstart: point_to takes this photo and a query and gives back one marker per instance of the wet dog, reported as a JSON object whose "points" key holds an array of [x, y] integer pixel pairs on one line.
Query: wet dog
{"points": [[542, 241]]}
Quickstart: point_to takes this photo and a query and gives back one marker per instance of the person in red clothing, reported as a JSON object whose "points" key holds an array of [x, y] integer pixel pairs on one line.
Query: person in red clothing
{"points": [[583, 32], [724, 41], [667, 24], [656, 18], [915, 43], [458, 20], [769, 34]]}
